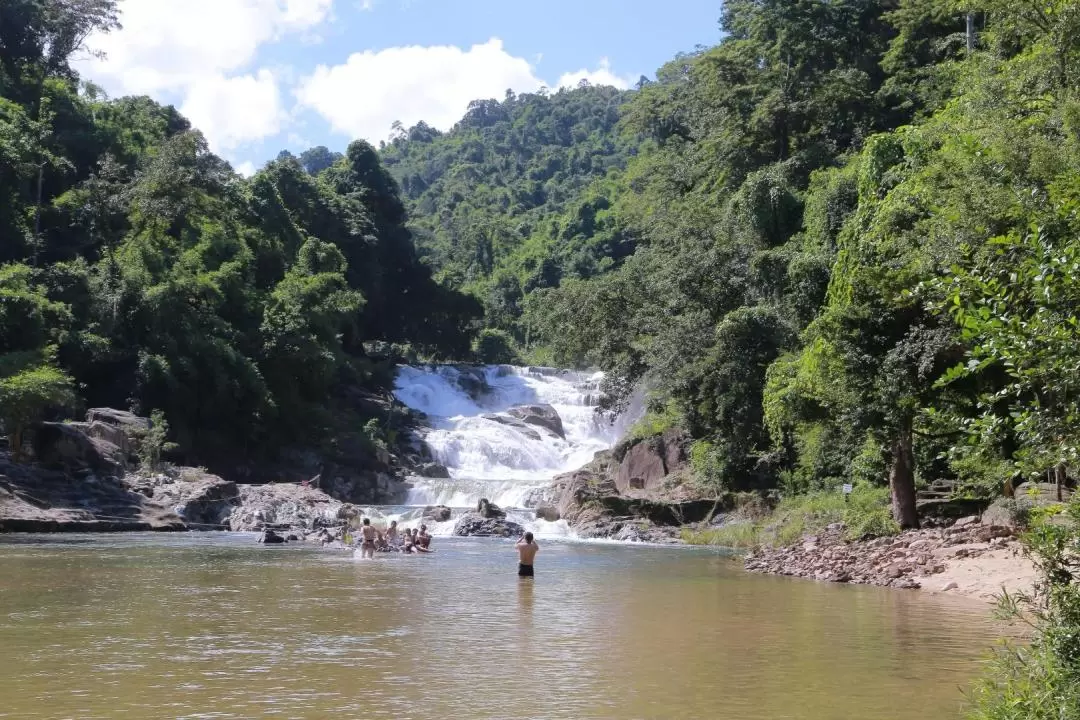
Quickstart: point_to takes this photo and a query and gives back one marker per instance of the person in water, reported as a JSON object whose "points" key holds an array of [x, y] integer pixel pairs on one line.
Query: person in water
{"points": [[527, 549], [368, 535], [393, 539], [423, 538]]}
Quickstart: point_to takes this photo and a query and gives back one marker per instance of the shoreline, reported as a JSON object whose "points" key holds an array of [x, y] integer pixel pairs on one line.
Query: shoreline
{"points": [[968, 560]]}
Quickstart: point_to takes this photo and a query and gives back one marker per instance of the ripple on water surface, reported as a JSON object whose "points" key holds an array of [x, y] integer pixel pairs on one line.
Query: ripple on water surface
{"points": [[213, 626]]}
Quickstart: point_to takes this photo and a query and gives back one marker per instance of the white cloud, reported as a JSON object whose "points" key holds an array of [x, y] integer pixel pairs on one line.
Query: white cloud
{"points": [[239, 109], [365, 95], [601, 76], [192, 47], [246, 168]]}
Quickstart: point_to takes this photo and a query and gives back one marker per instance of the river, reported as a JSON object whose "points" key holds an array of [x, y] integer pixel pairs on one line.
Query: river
{"points": [[214, 626]]}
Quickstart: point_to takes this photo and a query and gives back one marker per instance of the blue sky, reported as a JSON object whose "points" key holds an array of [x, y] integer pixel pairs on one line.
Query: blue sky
{"points": [[259, 76]]}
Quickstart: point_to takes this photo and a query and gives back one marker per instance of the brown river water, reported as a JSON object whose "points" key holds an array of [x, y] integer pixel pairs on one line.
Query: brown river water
{"points": [[215, 626]]}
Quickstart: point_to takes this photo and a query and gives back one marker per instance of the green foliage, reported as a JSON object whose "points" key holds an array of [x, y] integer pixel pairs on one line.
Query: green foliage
{"points": [[494, 347], [155, 442], [658, 419], [517, 196], [137, 267], [1040, 679], [864, 514]]}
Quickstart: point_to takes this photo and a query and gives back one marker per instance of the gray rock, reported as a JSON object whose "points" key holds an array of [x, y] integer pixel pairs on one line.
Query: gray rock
{"points": [[205, 501], [544, 416], [289, 506], [475, 525], [489, 510], [118, 418], [270, 538], [433, 470], [1007, 512], [518, 425], [63, 446], [547, 512], [437, 513]]}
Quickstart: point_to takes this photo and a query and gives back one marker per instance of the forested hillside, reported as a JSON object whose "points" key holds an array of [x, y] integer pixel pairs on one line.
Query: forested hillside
{"points": [[138, 270], [515, 197], [855, 227]]}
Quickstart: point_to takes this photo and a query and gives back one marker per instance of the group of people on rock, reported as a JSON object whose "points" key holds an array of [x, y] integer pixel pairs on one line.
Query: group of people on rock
{"points": [[373, 540]]}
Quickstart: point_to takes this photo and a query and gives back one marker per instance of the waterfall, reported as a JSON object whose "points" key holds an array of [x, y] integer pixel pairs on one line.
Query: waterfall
{"points": [[491, 446]]}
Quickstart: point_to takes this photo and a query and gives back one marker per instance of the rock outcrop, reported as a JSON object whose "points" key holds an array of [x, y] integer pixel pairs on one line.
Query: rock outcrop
{"points": [[437, 513], [475, 525], [204, 501], [644, 465], [528, 431], [904, 561], [285, 506], [39, 499], [544, 416], [65, 447], [433, 470], [591, 503], [489, 510]]}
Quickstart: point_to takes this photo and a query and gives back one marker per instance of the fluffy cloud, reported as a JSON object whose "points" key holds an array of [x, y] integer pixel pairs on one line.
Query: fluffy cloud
{"points": [[239, 109], [365, 95], [191, 49], [602, 76]]}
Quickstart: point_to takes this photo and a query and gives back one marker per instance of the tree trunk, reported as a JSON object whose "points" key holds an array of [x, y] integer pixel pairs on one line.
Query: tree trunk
{"points": [[902, 479], [1059, 479], [16, 442], [970, 32]]}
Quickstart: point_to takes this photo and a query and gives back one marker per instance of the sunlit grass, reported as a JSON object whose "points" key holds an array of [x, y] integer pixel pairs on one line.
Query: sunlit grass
{"points": [[864, 514]]}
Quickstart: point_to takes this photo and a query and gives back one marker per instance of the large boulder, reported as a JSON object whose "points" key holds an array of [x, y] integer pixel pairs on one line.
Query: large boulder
{"points": [[118, 418], [644, 464], [433, 470], [437, 513], [1038, 494], [513, 422], [544, 416], [472, 380], [289, 506], [475, 525], [488, 509], [547, 512], [65, 447], [204, 501]]}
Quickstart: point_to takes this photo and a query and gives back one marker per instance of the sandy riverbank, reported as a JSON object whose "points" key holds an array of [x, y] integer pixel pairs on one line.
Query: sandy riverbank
{"points": [[969, 559], [985, 576]]}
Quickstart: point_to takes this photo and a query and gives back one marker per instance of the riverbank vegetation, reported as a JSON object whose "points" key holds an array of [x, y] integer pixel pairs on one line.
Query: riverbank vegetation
{"points": [[1040, 680], [864, 513]]}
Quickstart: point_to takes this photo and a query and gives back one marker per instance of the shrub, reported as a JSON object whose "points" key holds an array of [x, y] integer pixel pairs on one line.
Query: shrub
{"points": [[494, 347], [1040, 680]]}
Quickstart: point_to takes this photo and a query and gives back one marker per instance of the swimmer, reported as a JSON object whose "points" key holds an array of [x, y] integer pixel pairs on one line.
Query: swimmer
{"points": [[368, 533], [527, 549]]}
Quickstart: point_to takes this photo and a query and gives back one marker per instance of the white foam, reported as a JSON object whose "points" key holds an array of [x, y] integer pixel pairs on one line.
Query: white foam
{"points": [[503, 462]]}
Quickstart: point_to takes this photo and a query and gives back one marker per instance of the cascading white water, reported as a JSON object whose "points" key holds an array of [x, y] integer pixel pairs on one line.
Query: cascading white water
{"points": [[490, 454]]}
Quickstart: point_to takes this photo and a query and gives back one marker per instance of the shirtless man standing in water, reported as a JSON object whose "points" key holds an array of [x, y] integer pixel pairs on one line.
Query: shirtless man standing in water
{"points": [[367, 547], [527, 549]]}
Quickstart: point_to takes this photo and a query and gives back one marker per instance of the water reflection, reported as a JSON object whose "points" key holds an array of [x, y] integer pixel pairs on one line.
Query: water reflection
{"points": [[196, 627]]}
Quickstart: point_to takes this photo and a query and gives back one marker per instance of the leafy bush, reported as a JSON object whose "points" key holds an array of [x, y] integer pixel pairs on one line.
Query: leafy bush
{"points": [[494, 347], [1040, 680], [154, 443], [864, 514]]}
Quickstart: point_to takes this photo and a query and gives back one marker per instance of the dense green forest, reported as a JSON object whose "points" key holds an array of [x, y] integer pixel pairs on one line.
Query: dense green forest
{"points": [[838, 246], [516, 196], [138, 270]]}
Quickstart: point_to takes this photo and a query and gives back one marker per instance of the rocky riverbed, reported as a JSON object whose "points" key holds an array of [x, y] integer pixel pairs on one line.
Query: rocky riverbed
{"points": [[967, 558]]}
